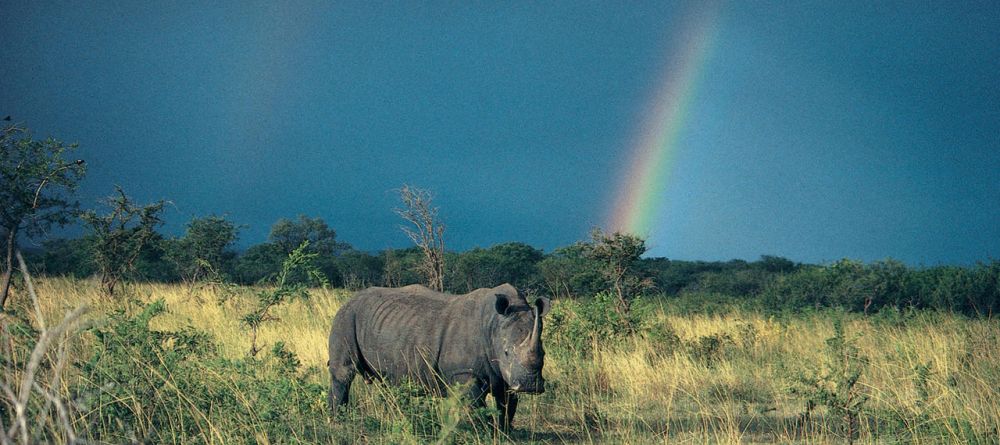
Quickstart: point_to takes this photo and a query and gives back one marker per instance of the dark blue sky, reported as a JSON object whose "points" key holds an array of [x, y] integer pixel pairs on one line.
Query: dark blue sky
{"points": [[818, 130]]}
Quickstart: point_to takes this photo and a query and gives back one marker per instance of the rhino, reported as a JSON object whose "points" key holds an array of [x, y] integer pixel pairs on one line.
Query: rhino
{"points": [[489, 341]]}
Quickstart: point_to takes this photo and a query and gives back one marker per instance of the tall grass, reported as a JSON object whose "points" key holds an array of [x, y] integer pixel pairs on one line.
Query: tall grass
{"points": [[731, 377]]}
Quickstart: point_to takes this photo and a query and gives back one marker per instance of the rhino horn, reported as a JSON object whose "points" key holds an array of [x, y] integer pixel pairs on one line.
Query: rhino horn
{"points": [[535, 338]]}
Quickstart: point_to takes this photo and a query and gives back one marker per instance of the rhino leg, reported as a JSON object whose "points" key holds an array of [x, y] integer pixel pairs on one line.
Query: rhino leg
{"points": [[344, 359], [477, 394], [341, 376], [339, 390], [506, 406]]}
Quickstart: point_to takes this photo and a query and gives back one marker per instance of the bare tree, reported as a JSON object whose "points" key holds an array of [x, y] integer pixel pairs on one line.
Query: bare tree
{"points": [[427, 232]]}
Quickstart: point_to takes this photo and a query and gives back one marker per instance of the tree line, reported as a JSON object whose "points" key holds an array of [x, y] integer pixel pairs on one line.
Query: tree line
{"points": [[205, 252], [122, 243]]}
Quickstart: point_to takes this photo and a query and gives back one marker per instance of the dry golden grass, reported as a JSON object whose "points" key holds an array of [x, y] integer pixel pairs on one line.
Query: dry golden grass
{"points": [[639, 393]]}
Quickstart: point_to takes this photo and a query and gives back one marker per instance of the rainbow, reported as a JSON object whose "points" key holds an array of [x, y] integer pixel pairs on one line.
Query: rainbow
{"points": [[644, 184]]}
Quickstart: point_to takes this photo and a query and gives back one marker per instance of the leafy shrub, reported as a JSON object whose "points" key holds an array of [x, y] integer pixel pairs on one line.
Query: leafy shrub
{"points": [[299, 262], [128, 372], [836, 385], [173, 387], [742, 283], [576, 326], [709, 349], [662, 337], [514, 263]]}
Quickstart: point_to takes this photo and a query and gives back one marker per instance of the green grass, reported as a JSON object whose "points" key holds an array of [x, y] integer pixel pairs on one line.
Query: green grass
{"points": [[732, 376]]}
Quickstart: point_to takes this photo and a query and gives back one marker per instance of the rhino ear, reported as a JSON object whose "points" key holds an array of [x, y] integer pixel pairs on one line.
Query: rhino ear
{"points": [[543, 304], [502, 304]]}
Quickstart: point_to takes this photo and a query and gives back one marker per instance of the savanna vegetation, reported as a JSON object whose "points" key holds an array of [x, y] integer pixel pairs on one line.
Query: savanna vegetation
{"points": [[130, 335]]}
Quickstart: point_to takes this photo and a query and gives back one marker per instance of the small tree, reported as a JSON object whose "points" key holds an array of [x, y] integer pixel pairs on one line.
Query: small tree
{"points": [[618, 256], [837, 385], [298, 261], [119, 236], [427, 232], [202, 251], [288, 235], [36, 181]]}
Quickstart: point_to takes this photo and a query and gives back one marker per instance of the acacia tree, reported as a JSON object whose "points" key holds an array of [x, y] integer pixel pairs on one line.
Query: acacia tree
{"points": [[37, 182], [427, 232], [120, 236], [618, 256]]}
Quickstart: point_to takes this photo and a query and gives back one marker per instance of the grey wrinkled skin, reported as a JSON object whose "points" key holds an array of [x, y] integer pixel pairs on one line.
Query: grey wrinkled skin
{"points": [[488, 339]]}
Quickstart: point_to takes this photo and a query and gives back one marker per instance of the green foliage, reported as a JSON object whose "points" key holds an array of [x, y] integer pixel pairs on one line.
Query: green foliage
{"points": [[289, 235], [617, 257], [66, 257], [151, 386], [884, 289], [514, 263], [118, 237], [709, 349], [260, 263], [707, 303], [359, 270], [736, 278], [745, 282], [263, 262], [299, 262], [402, 267], [37, 181], [127, 369], [202, 253], [775, 264], [568, 273], [153, 265], [836, 385], [663, 338], [857, 287], [578, 326]]}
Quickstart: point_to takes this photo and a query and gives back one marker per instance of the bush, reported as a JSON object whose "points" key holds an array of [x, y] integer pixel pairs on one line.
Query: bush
{"points": [[709, 349], [704, 303], [156, 386], [577, 326]]}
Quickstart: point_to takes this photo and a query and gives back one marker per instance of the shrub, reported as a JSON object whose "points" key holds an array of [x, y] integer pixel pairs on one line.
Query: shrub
{"points": [[709, 349], [836, 385], [142, 384], [577, 326]]}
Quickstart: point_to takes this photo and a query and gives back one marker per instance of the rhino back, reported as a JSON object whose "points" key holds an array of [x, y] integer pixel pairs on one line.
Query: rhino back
{"points": [[416, 333]]}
